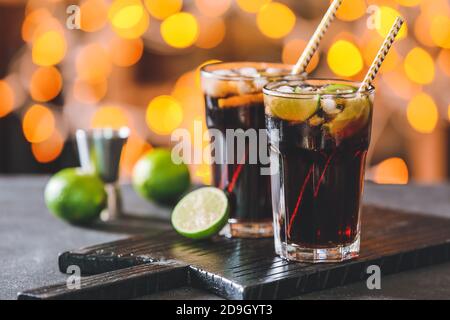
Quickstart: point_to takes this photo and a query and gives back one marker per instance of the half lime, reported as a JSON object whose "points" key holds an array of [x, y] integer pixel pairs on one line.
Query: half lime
{"points": [[201, 213]]}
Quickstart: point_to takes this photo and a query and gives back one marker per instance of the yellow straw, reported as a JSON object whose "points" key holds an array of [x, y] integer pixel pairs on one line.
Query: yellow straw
{"points": [[313, 43]]}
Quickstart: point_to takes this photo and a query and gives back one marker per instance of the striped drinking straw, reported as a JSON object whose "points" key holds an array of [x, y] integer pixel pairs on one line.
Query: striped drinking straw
{"points": [[313, 43], [381, 55]]}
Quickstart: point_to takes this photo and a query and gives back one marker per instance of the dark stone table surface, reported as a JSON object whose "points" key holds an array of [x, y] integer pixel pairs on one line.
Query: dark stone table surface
{"points": [[31, 238]]}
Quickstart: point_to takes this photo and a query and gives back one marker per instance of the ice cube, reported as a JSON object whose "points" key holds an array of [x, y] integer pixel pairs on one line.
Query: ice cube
{"points": [[259, 83], [248, 72], [273, 71], [225, 72], [329, 106], [285, 89], [245, 87]]}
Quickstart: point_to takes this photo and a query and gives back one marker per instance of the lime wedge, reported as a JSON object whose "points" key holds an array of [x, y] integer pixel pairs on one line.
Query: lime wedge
{"points": [[201, 213], [352, 119], [293, 109], [338, 88]]}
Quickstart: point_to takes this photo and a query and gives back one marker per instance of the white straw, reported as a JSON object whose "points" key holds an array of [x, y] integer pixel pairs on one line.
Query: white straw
{"points": [[381, 55], [313, 43]]}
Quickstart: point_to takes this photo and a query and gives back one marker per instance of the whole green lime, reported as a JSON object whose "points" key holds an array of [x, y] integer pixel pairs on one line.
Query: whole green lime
{"points": [[75, 196], [156, 177]]}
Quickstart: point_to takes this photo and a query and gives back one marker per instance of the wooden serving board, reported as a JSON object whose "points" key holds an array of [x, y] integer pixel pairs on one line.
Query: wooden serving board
{"points": [[246, 268]]}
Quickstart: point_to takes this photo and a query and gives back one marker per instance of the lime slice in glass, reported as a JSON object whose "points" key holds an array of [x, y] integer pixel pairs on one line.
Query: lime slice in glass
{"points": [[201, 213], [293, 109], [338, 88]]}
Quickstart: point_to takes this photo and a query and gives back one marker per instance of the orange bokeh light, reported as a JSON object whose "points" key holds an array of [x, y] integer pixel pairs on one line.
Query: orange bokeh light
{"points": [[46, 83], [32, 21], [391, 171], [93, 63], [89, 92], [50, 149], [38, 123], [133, 150], [126, 52], [109, 117], [6, 98], [444, 61], [292, 51], [94, 15], [213, 8], [211, 32], [351, 10]]}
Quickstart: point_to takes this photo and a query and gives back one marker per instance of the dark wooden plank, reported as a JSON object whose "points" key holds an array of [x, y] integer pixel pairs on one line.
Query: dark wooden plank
{"points": [[249, 269], [125, 283]]}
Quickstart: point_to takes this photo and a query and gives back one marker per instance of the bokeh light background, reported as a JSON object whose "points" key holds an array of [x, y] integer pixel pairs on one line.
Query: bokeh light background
{"points": [[136, 63]]}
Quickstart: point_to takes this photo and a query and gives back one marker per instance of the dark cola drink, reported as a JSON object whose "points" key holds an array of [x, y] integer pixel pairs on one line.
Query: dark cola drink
{"points": [[234, 101], [319, 133]]}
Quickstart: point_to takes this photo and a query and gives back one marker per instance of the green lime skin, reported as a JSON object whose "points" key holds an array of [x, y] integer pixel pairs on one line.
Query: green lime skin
{"points": [[213, 229], [75, 196], [157, 178]]}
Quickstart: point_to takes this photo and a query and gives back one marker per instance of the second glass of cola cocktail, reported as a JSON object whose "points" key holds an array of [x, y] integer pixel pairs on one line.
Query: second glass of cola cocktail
{"points": [[234, 101]]}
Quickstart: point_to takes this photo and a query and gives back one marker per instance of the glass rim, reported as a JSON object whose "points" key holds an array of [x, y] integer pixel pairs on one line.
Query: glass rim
{"points": [[205, 72], [269, 89]]}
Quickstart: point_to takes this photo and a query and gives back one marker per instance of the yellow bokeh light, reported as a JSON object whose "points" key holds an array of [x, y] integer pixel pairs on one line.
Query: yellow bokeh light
{"points": [[164, 114], [422, 113], [180, 30], [50, 149], [161, 9], [275, 20], [126, 52], [387, 16], [6, 98], [408, 3], [125, 14], [93, 15], [38, 123], [109, 117], [293, 49], [89, 92], [46, 83], [344, 58], [49, 49], [93, 63], [370, 50], [212, 32], [391, 171], [351, 10], [419, 66], [137, 27], [203, 173], [252, 6], [440, 31], [214, 8], [444, 61]]}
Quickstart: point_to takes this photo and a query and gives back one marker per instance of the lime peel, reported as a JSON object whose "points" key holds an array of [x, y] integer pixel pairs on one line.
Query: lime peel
{"points": [[201, 213]]}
